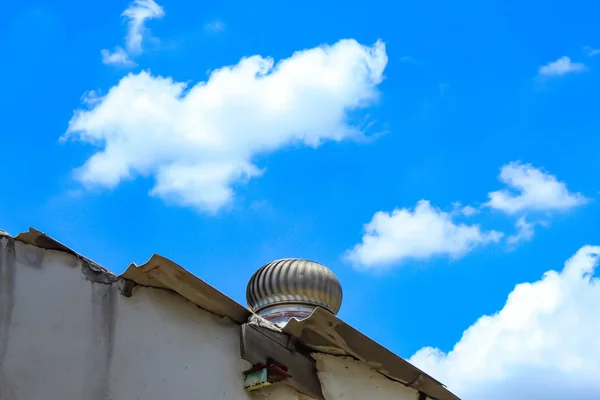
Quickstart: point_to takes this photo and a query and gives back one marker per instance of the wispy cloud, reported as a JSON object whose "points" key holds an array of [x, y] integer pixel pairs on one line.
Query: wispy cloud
{"points": [[138, 12], [443, 88], [525, 231], [591, 51], [560, 67], [117, 57], [215, 26], [469, 211], [409, 60]]}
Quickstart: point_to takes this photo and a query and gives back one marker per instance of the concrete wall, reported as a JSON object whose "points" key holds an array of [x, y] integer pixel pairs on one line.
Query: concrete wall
{"points": [[345, 378], [65, 337]]}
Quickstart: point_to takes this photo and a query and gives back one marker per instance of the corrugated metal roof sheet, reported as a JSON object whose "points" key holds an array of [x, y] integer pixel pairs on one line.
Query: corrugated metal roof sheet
{"points": [[325, 333], [321, 332], [161, 272]]}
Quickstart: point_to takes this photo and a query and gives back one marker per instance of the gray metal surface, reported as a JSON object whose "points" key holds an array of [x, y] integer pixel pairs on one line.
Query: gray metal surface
{"points": [[294, 281]]}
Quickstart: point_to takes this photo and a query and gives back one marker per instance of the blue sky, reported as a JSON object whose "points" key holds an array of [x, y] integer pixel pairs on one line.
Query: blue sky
{"points": [[490, 104]]}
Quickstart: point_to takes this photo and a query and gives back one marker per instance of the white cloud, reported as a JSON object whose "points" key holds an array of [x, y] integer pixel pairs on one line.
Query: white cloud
{"points": [[591, 51], [117, 57], [198, 141], [215, 26], [416, 234], [138, 12], [543, 344], [536, 191], [560, 67], [525, 231], [469, 211]]}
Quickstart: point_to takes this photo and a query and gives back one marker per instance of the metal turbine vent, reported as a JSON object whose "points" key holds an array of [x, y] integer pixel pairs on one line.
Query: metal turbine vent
{"points": [[293, 288]]}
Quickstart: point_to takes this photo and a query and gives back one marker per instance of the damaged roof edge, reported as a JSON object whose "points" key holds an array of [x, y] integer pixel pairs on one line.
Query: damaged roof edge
{"points": [[322, 331], [163, 273], [92, 270], [158, 272]]}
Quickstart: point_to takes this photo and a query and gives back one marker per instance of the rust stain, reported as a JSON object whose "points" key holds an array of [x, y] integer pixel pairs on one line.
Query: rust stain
{"points": [[7, 304], [103, 317], [7, 292]]}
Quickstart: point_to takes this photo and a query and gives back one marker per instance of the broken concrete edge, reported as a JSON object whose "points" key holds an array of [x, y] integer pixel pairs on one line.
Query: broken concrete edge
{"points": [[413, 385], [94, 272], [421, 395], [91, 270]]}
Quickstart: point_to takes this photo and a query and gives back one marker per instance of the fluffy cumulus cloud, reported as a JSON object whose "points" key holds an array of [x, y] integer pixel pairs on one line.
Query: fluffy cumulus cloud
{"points": [[560, 67], [426, 231], [532, 189], [137, 14], [197, 141], [543, 344]]}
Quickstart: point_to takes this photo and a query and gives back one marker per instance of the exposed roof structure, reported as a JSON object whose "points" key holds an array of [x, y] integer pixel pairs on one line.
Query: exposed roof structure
{"points": [[321, 332]]}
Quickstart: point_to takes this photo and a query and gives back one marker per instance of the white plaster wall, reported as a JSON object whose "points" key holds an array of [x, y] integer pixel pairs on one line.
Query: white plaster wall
{"points": [[347, 379], [279, 391], [63, 337]]}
